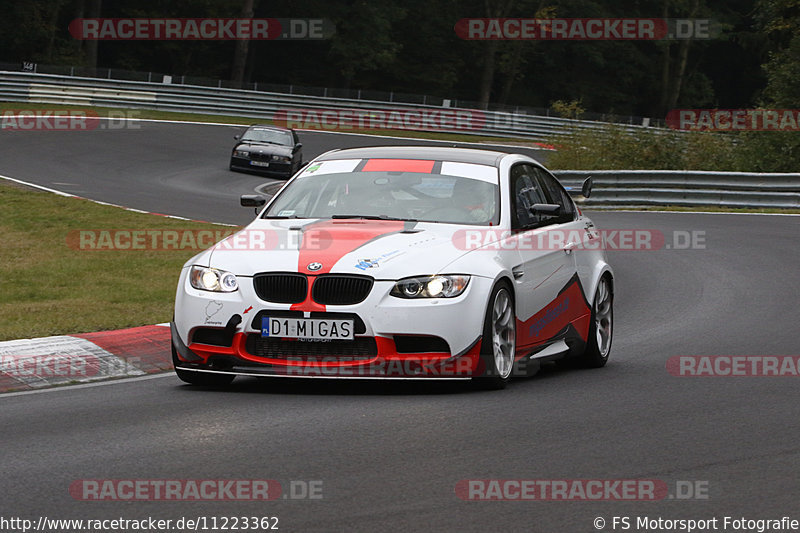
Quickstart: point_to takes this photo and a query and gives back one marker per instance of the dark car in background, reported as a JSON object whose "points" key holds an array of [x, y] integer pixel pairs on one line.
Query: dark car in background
{"points": [[270, 150]]}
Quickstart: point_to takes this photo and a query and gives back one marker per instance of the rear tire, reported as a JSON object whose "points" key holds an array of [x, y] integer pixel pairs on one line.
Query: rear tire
{"points": [[199, 378], [498, 343]]}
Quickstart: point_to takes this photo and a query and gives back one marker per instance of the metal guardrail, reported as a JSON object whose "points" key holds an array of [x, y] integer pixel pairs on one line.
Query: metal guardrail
{"points": [[392, 97], [47, 88], [612, 188], [636, 188]]}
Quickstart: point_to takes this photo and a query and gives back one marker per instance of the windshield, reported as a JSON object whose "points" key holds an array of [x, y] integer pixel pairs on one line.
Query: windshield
{"points": [[264, 135], [431, 191]]}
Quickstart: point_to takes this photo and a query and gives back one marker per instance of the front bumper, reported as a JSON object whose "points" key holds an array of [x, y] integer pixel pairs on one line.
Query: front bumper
{"points": [[394, 337], [237, 359], [275, 168]]}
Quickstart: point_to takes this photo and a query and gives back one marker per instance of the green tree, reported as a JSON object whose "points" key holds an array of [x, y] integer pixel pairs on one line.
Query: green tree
{"points": [[363, 42]]}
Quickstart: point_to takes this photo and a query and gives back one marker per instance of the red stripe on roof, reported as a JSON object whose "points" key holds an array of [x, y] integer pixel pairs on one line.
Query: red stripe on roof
{"points": [[399, 165]]}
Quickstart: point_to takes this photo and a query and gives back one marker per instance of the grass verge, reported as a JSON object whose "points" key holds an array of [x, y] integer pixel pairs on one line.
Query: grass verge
{"points": [[612, 147], [52, 287]]}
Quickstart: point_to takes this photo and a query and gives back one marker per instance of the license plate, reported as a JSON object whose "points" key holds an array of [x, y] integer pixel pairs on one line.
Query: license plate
{"points": [[259, 163], [307, 328]]}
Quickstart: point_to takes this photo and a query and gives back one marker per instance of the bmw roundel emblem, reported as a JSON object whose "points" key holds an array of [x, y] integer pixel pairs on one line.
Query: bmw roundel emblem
{"points": [[313, 267]]}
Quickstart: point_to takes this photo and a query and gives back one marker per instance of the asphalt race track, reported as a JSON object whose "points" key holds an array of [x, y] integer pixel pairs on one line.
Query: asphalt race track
{"points": [[171, 168], [389, 455]]}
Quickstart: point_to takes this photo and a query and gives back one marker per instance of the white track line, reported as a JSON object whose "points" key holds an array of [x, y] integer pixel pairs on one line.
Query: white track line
{"points": [[40, 187], [99, 202]]}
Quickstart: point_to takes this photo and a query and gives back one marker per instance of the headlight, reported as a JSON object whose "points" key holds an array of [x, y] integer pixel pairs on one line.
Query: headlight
{"points": [[439, 286], [241, 153], [281, 158], [211, 279]]}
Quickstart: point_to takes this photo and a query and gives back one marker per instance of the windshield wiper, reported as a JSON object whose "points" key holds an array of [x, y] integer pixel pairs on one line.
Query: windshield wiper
{"points": [[374, 217]]}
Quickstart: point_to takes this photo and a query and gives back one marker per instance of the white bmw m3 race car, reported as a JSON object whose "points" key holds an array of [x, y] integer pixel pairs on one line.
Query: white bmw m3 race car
{"points": [[400, 262]]}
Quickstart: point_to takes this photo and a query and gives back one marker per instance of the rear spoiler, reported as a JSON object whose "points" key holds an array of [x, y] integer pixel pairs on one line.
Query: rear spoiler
{"points": [[585, 190]]}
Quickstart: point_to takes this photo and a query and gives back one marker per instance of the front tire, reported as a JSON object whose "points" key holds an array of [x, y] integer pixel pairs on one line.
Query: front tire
{"points": [[199, 378], [499, 341], [598, 345]]}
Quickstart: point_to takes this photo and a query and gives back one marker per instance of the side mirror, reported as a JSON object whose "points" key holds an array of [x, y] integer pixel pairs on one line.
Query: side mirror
{"points": [[252, 200], [298, 146], [551, 210], [237, 137], [586, 188]]}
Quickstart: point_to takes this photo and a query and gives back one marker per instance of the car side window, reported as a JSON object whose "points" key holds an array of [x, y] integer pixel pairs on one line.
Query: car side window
{"points": [[526, 191], [556, 195]]}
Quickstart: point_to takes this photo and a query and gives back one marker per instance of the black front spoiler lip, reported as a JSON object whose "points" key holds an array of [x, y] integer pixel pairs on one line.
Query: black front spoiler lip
{"points": [[256, 372]]}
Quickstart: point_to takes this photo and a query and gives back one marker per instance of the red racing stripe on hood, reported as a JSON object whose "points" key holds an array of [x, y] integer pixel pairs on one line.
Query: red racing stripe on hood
{"points": [[327, 241]]}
